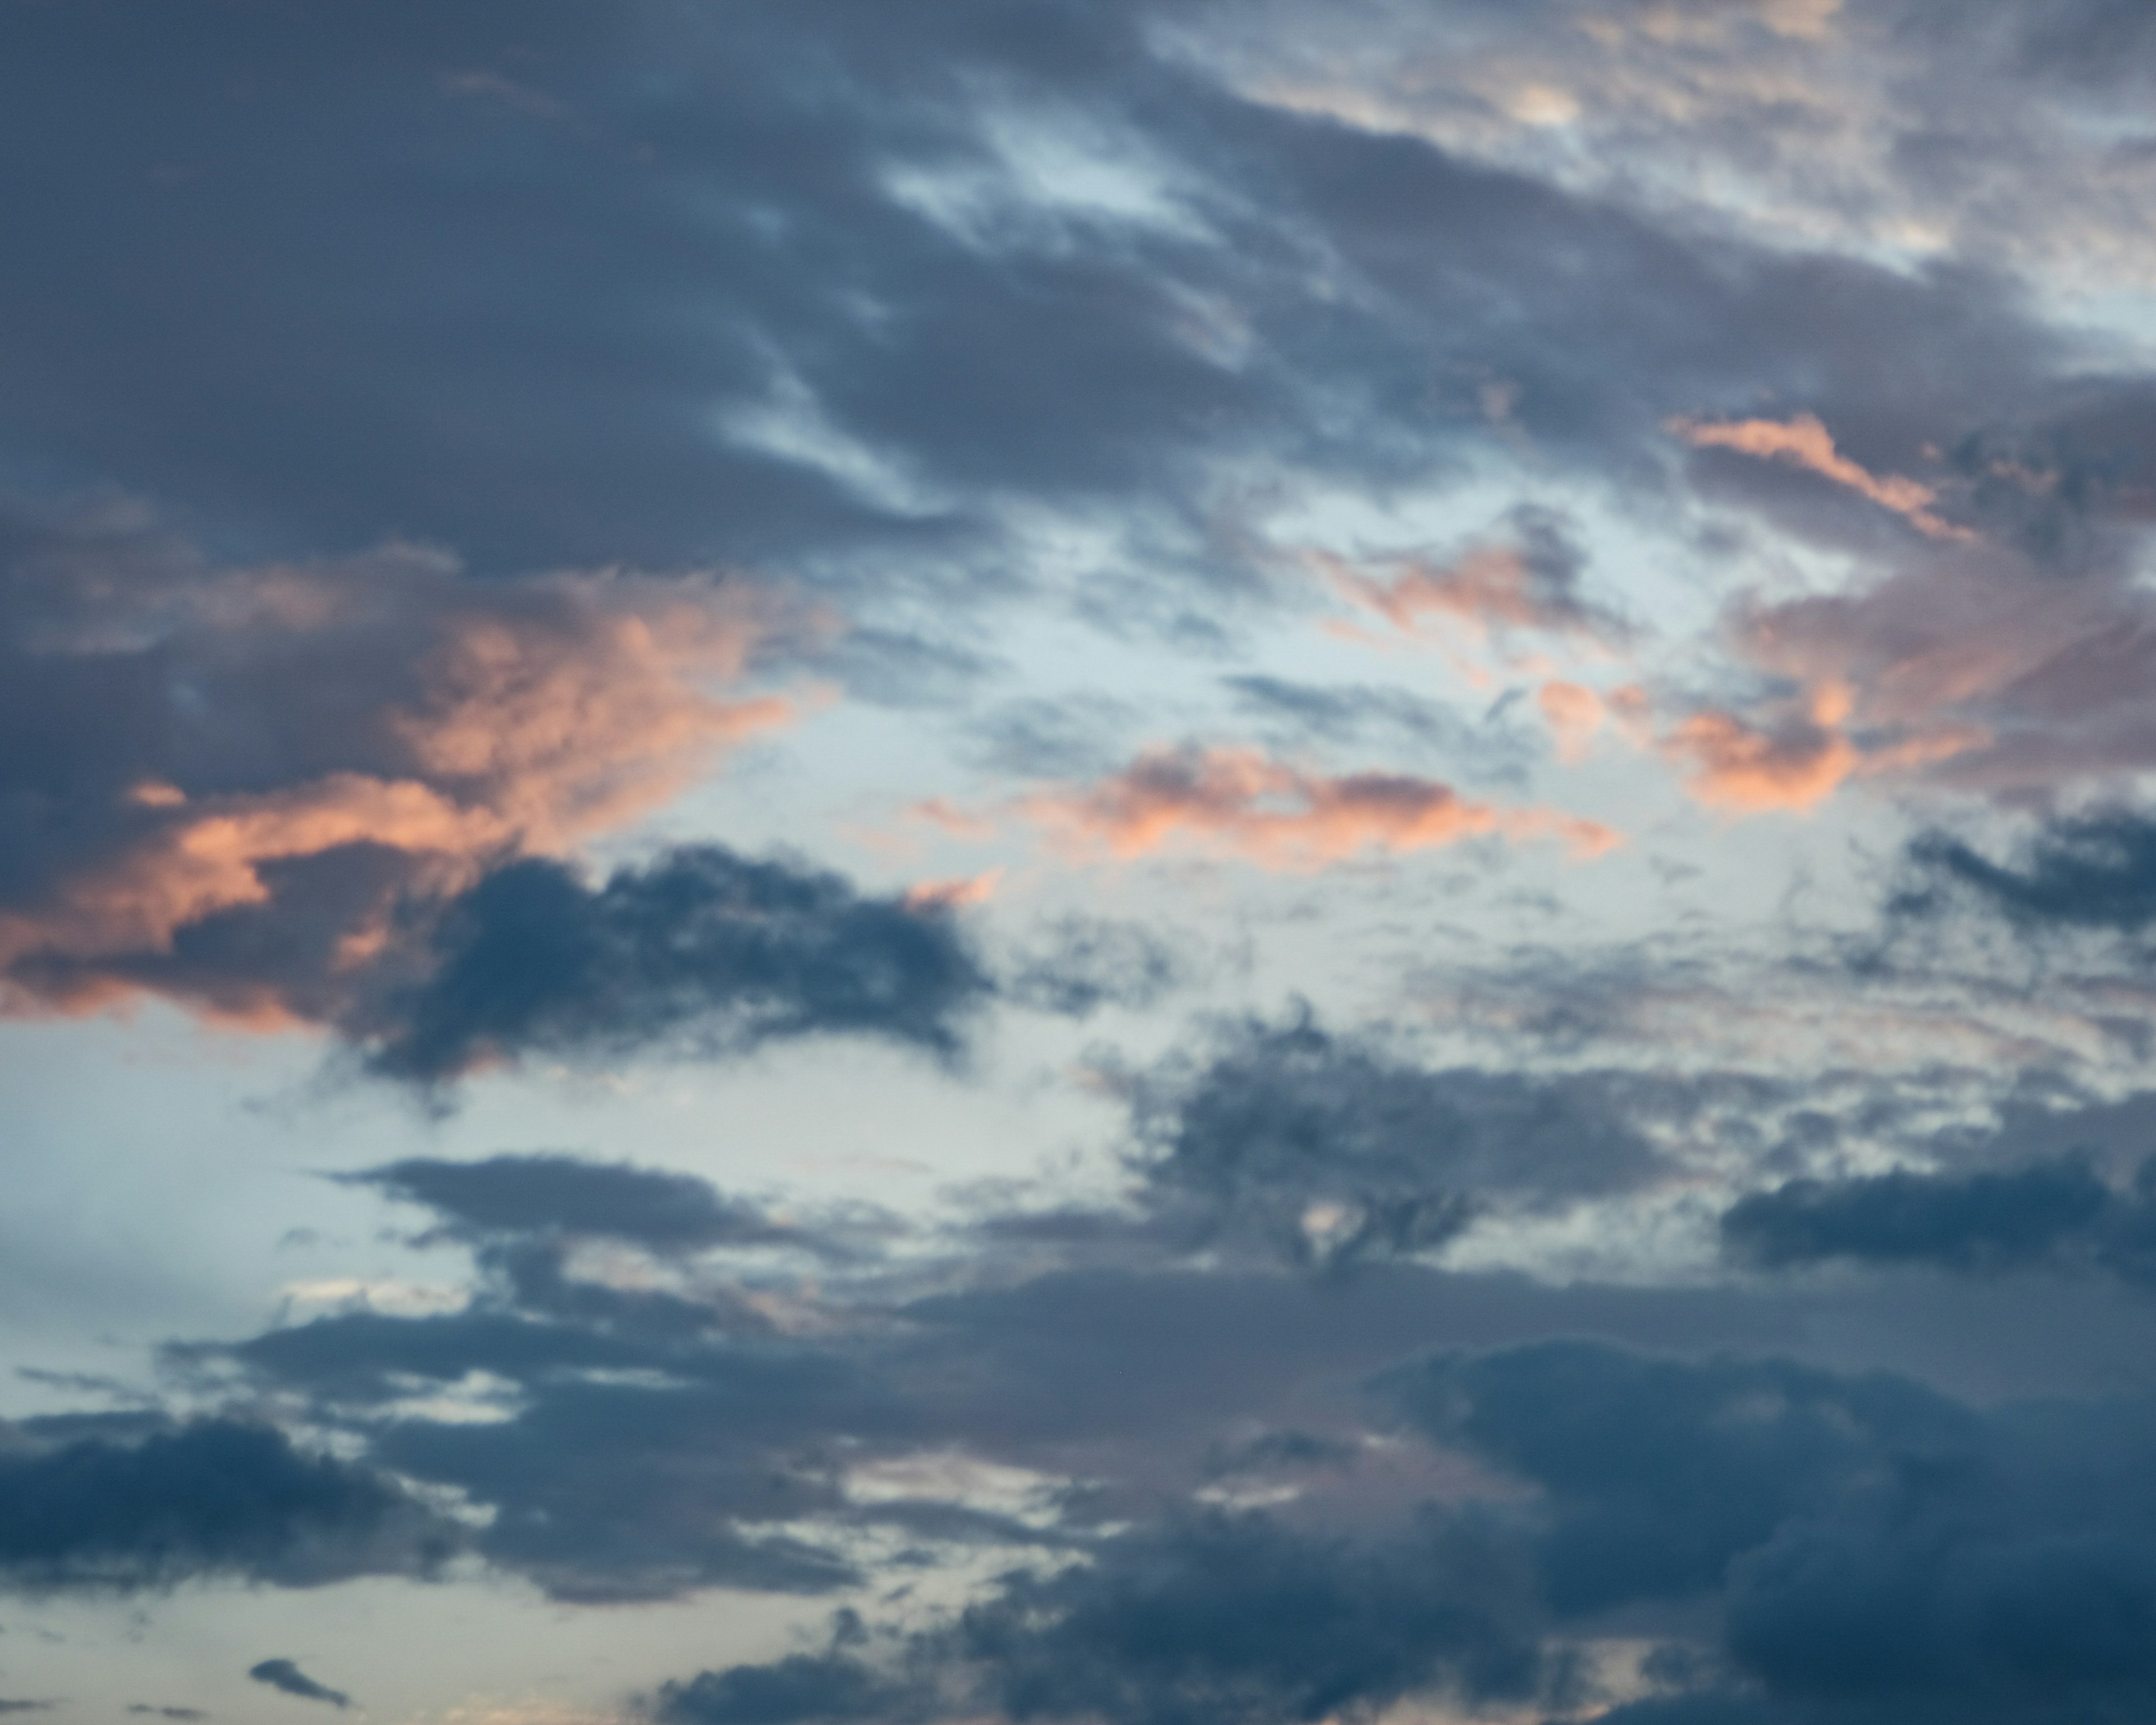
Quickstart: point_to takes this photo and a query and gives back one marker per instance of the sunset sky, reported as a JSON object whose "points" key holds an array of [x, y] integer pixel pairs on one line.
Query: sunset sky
{"points": [[890, 862]]}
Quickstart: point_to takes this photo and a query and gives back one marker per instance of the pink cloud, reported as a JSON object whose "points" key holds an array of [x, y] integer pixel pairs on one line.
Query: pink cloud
{"points": [[439, 725], [1804, 442], [1240, 802]]}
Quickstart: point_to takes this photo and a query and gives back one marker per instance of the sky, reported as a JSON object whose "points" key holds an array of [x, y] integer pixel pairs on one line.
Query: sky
{"points": [[1156, 862]]}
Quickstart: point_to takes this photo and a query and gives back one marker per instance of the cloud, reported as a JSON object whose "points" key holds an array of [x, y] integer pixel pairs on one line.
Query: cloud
{"points": [[2086, 872], [1529, 584], [1330, 1151], [1212, 1617], [1802, 442], [235, 786], [1794, 766], [701, 947], [2057, 1215], [1086, 962], [216, 1497], [1877, 1550], [1293, 716], [560, 1194], [1245, 804], [1983, 670], [283, 1674]]}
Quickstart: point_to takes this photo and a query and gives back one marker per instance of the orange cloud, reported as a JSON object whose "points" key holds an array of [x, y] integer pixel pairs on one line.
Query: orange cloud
{"points": [[1735, 766], [1243, 803], [956, 894], [441, 725], [1804, 442], [1574, 713]]}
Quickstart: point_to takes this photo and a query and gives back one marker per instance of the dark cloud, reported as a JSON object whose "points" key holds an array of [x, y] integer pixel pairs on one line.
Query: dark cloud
{"points": [[809, 301], [282, 1674], [702, 947], [2088, 872], [1874, 1549], [2058, 1215], [214, 1497], [1217, 1616], [1333, 1150], [801, 1687], [556, 1194], [166, 1713]]}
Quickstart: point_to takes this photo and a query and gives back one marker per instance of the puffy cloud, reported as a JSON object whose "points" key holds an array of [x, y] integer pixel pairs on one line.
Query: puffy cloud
{"points": [[216, 1497], [240, 788], [1876, 1550], [702, 946], [1245, 805]]}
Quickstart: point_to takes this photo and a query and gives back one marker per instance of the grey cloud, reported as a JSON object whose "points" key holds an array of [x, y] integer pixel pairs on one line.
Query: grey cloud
{"points": [[558, 1194], [1084, 963], [215, 1497], [702, 946], [282, 1674], [1218, 1616], [2088, 872], [1877, 1550], [1302, 713], [793, 305], [800, 1687], [2057, 1215], [1333, 1150]]}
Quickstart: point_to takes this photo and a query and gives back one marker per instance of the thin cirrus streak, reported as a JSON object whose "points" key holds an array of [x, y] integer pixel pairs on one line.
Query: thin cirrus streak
{"points": [[1242, 803], [1805, 442]]}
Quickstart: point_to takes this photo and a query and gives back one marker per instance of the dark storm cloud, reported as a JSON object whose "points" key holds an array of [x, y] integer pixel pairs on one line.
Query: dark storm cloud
{"points": [[1210, 1617], [1874, 1549], [282, 1674], [2058, 1215], [1332, 1150], [556, 1194], [214, 1497], [702, 946]]}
